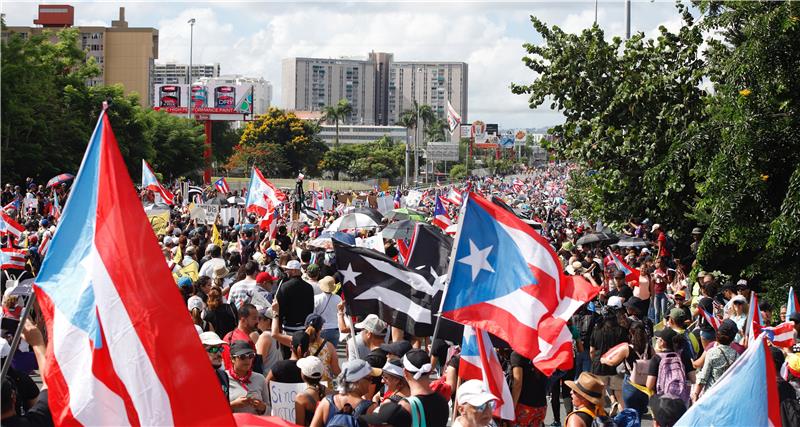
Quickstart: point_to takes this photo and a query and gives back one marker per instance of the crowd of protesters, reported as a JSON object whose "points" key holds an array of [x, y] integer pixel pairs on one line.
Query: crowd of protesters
{"points": [[269, 309]]}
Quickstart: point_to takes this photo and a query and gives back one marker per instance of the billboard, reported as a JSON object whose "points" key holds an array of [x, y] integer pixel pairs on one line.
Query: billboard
{"points": [[482, 138], [442, 151], [214, 99]]}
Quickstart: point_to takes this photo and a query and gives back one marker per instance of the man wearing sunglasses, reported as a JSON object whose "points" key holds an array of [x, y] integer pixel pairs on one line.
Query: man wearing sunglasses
{"points": [[248, 392], [475, 405], [213, 345]]}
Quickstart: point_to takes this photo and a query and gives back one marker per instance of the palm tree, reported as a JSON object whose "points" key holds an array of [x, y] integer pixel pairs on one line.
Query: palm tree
{"points": [[408, 120], [434, 130], [336, 113]]}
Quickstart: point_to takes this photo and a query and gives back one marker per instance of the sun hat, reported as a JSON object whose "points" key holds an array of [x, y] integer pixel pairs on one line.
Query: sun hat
{"points": [[310, 366], [358, 369], [373, 324], [589, 386], [327, 284], [474, 393], [211, 338]]}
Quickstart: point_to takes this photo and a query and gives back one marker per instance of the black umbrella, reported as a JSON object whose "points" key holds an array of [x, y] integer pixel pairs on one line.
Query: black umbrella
{"points": [[372, 213], [399, 230], [631, 242], [597, 238]]}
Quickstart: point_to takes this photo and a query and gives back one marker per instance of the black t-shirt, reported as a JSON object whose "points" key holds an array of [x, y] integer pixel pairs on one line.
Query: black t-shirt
{"points": [[296, 299], [534, 382], [283, 241], [26, 388], [655, 362], [38, 416], [286, 371], [602, 340], [436, 410]]}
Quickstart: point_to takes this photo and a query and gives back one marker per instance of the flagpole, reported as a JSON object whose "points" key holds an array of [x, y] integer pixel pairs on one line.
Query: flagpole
{"points": [[450, 266], [17, 333]]}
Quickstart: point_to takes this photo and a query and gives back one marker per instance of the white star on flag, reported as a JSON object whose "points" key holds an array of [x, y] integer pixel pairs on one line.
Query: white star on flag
{"points": [[349, 275], [478, 259]]}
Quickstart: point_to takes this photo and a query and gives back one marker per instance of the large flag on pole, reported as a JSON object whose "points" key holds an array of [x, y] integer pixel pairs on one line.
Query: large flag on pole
{"points": [[258, 191], [479, 361], [507, 280], [150, 182], [754, 320], [745, 396], [631, 274], [118, 352]]}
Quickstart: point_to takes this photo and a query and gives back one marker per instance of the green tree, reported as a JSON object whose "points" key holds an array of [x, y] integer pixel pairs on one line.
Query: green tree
{"points": [[338, 159], [337, 113], [458, 172], [278, 134], [435, 130], [224, 137], [628, 109], [178, 143]]}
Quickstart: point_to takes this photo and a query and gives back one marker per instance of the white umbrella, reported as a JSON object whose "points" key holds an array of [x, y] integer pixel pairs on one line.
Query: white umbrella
{"points": [[352, 221]]}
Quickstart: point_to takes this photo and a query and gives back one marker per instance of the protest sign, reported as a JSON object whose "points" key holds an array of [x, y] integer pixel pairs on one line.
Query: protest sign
{"points": [[375, 243], [327, 204], [159, 221], [385, 204], [227, 213], [210, 213], [281, 396]]}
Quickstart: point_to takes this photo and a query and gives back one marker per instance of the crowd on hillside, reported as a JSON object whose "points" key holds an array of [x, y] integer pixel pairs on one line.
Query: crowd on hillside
{"points": [[266, 309]]}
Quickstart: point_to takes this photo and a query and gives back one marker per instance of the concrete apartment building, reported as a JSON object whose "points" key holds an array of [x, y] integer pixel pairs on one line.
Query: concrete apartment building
{"points": [[126, 55], [378, 88], [172, 73]]}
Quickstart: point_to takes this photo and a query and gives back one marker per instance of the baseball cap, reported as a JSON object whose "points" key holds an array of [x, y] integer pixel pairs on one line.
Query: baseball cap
{"points": [[372, 324], [728, 328], [666, 334], [271, 253], [388, 414], [292, 265], [264, 277], [239, 348], [358, 369], [397, 348], [185, 282], [681, 294], [310, 366], [211, 338], [615, 302], [315, 320], [655, 227], [473, 392]]}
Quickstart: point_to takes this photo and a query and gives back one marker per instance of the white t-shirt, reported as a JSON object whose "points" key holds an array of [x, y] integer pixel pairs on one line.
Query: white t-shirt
{"points": [[325, 306], [209, 266]]}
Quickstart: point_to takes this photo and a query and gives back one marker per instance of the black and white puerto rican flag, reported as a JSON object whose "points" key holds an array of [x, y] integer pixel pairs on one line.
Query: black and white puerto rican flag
{"points": [[375, 284]]}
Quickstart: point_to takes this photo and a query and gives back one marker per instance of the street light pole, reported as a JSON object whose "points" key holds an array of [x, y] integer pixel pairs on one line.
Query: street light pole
{"points": [[191, 80], [627, 19]]}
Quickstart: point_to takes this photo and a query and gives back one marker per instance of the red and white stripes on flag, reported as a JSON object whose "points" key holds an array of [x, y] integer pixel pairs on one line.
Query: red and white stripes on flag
{"points": [[222, 186], [9, 227], [12, 259], [453, 118], [45, 245], [781, 335], [711, 319], [479, 361]]}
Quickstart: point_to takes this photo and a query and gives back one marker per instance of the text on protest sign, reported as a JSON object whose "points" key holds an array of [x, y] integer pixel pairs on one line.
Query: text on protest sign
{"points": [[281, 396]]}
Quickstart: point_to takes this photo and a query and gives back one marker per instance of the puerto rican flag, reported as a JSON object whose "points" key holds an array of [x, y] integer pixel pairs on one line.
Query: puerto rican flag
{"points": [[792, 305], [222, 186], [150, 182], [781, 335], [14, 204], [259, 190], [9, 227], [453, 118], [56, 207], [711, 319], [631, 274], [118, 351], [440, 217], [479, 361], [517, 184], [13, 259], [754, 320], [45, 245], [269, 221], [507, 280], [454, 197], [750, 382]]}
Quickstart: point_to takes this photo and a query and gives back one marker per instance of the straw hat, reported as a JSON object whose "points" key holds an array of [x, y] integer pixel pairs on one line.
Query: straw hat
{"points": [[589, 386], [327, 284]]}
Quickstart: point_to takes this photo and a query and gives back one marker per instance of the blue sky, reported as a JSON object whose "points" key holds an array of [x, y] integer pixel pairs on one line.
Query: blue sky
{"points": [[251, 38]]}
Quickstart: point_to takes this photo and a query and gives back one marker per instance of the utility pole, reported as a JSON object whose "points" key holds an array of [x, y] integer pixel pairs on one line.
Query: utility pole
{"points": [[191, 40], [627, 19]]}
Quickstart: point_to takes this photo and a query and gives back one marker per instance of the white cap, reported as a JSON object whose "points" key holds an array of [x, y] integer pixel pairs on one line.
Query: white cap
{"points": [[655, 227], [211, 338], [615, 302], [372, 323], [292, 265], [310, 366], [473, 392]]}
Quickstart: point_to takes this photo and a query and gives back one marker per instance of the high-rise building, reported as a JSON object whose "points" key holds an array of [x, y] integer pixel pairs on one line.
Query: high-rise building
{"points": [[378, 88], [125, 54], [172, 73]]}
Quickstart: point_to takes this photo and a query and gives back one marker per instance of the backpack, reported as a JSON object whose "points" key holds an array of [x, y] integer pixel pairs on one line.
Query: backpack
{"points": [[628, 418], [671, 379], [347, 416], [669, 243]]}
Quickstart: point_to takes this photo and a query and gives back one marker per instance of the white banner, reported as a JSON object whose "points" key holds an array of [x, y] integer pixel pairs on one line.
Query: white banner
{"points": [[211, 213], [375, 243], [412, 198], [227, 213], [385, 204], [281, 396]]}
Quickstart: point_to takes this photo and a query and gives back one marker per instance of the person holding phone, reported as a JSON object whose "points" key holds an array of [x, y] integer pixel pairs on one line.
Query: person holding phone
{"points": [[248, 390]]}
